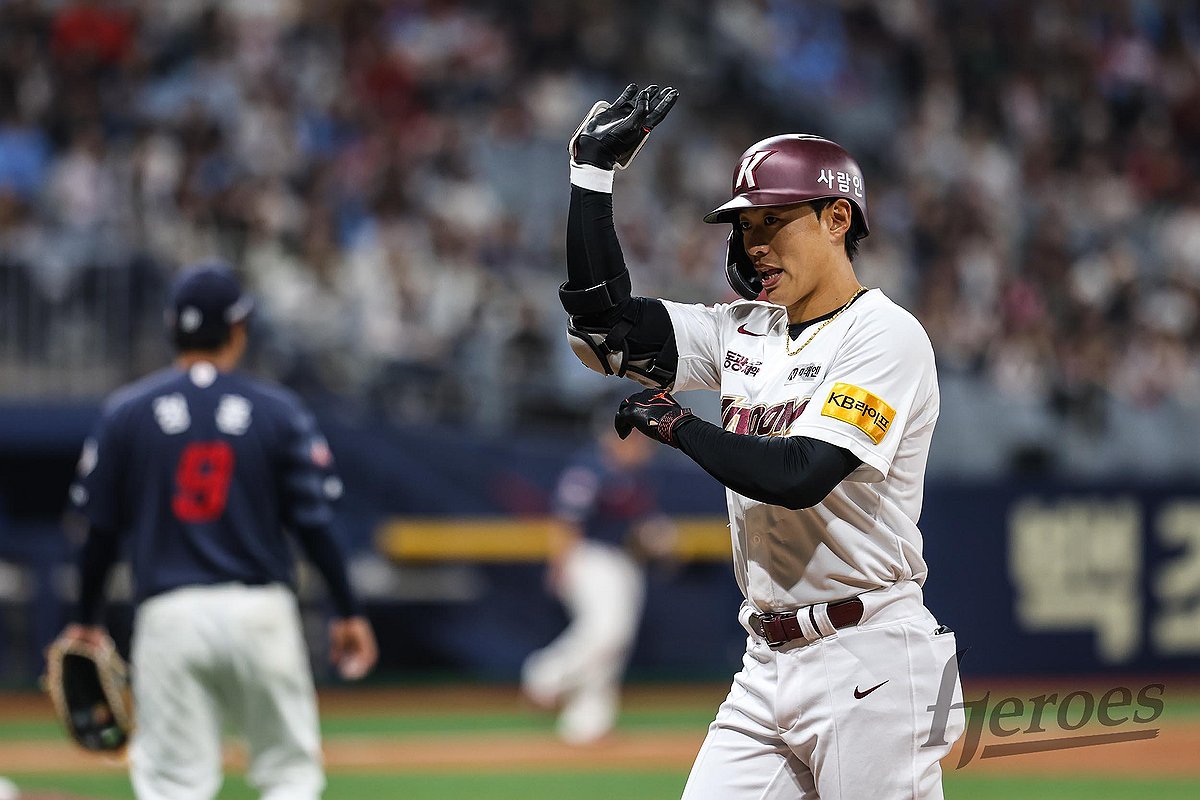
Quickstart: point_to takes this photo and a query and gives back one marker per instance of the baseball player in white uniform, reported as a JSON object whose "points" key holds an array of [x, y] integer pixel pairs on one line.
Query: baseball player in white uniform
{"points": [[829, 399], [607, 513]]}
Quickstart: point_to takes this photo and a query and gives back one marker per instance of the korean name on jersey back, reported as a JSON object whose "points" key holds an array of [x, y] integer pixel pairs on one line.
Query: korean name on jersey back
{"points": [[233, 414]]}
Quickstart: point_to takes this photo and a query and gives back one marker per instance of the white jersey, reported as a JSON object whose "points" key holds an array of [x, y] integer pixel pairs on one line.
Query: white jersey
{"points": [[867, 383]]}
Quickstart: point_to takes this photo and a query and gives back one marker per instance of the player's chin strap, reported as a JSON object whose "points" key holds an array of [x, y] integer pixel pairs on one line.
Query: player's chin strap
{"points": [[739, 269], [605, 349]]}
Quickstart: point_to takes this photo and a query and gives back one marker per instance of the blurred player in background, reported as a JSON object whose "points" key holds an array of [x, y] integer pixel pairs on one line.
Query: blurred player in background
{"points": [[202, 468], [608, 522], [829, 397]]}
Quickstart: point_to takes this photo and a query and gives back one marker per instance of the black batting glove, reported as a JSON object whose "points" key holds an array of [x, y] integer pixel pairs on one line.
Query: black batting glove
{"points": [[653, 412], [611, 135]]}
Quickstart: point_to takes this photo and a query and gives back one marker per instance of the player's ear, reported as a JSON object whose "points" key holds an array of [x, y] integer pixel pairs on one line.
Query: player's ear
{"points": [[238, 337], [838, 216]]}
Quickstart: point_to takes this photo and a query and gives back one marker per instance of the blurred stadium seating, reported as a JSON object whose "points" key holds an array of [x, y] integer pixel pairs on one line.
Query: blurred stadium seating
{"points": [[390, 178]]}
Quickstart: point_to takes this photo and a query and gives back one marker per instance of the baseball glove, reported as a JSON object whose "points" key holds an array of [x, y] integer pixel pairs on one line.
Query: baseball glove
{"points": [[88, 684]]}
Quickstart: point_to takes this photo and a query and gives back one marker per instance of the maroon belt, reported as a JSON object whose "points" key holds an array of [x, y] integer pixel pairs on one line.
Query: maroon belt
{"points": [[779, 628]]}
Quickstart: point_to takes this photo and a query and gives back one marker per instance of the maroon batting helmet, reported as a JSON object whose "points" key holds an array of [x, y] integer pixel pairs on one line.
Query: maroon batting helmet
{"points": [[782, 171]]}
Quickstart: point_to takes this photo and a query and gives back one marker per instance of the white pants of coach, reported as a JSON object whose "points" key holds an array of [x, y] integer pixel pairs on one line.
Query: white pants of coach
{"points": [[845, 717], [214, 657], [603, 591]]}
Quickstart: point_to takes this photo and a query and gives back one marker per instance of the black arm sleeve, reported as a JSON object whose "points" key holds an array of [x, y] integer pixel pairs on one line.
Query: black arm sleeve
{"points": [[96, 561], [594, 258], [790, 471], [318, 544], [593, 251]]}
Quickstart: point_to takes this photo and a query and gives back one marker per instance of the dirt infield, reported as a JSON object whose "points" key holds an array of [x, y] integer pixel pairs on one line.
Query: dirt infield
{"points": [[1172, 753]]}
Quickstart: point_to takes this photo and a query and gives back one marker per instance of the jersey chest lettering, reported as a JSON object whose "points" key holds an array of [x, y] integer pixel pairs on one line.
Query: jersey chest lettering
{"points": [[764, 388], [803, 373], [736, 362], [760, 419], [761, 371]]}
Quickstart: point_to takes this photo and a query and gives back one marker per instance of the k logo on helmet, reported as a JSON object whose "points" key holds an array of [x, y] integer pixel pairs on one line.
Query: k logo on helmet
{"points": [[745, 176]]}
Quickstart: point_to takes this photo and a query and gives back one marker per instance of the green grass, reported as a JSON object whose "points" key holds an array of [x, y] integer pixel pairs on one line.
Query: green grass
{"points": [[336, 724], [26, 731], [991, 787], [697, 719], [624, 785], [416, 786], [555, 784], [333, 725], [1180, 706]]}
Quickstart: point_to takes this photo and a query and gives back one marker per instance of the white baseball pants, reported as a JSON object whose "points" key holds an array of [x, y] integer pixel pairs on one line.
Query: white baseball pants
{"points": [[846, 717], [225, 656], [603, 591]]}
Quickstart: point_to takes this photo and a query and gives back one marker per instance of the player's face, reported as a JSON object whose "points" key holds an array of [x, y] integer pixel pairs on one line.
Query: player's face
{"points": [[792, 249]]}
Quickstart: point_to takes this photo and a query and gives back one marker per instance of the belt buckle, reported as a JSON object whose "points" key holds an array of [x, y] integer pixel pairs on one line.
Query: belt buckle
{"points": [[769, 618]]}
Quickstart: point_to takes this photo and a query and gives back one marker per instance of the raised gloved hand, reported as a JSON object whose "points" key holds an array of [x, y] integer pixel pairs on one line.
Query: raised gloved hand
{"points": [[611, 135], [654, 412]]}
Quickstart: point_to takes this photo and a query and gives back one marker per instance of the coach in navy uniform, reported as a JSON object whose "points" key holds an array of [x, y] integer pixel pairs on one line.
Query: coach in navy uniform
{"points": [[203, 468]]}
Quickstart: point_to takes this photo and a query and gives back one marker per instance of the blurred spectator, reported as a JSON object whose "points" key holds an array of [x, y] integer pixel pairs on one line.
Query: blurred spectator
{"points": [[92, 34]]}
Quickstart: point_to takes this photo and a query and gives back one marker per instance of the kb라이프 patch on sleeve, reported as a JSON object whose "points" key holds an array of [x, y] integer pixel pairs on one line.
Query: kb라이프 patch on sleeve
{"points": [[860, 408]]}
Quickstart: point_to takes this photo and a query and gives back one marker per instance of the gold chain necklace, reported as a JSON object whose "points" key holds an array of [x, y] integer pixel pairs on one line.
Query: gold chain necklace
{"points": [[787, 339]]}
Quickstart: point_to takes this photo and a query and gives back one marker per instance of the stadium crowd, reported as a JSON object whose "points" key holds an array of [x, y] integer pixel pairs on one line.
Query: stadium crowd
{"points": [[390, 177]]}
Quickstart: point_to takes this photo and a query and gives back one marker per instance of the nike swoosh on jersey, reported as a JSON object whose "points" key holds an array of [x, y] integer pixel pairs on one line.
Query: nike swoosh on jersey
{"points": [[860, 695], [742, 329]]}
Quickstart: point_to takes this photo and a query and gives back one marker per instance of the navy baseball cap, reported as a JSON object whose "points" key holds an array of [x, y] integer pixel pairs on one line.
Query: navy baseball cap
{"points": [[205, 300]]}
